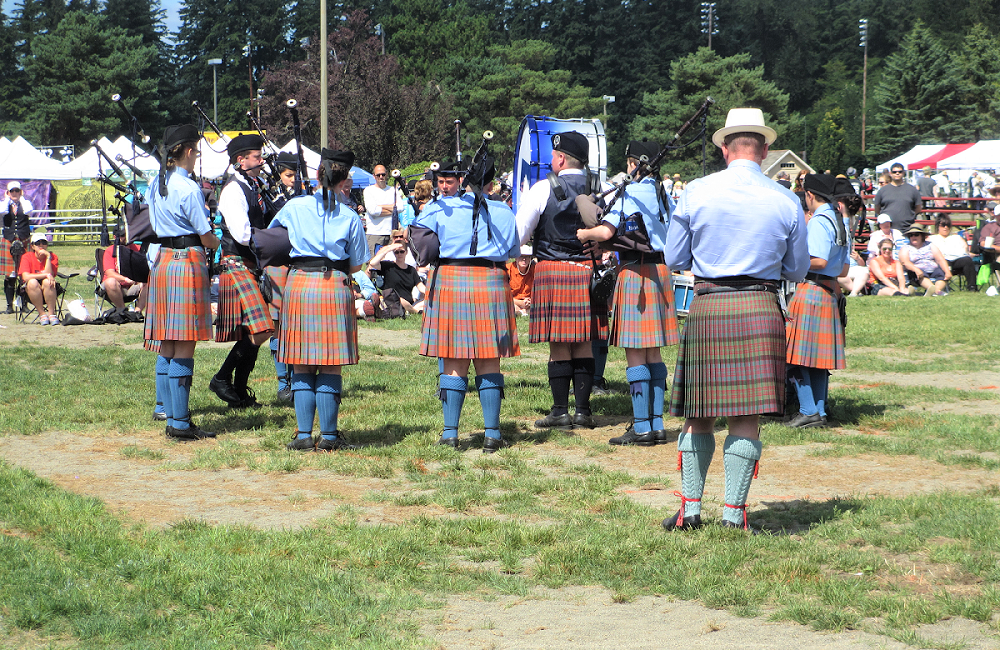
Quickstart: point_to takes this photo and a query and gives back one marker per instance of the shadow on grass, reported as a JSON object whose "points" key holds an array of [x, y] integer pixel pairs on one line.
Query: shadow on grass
{"points": [[849, 411], [798, 516]]}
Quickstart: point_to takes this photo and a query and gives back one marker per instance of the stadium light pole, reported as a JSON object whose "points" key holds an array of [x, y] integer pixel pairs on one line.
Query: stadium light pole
{"points": [[324, 132], [709, 24], [215, 63], [863, 30]]}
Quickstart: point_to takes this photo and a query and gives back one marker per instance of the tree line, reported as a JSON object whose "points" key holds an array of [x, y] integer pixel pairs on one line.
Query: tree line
{"points": [[401, 71]]}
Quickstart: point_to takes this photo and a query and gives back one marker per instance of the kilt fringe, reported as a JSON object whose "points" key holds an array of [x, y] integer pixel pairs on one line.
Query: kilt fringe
{"points": [[815, 337]]}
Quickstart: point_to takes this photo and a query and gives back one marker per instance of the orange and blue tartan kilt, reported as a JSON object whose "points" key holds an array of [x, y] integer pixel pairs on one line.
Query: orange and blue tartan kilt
{"points": [[278, 275], [6, 259], [470, 315], [179, 306], [241, 305], [643, 315], [152, 346], [731, 359], [815, 337], [319, 327], [560, 305]]}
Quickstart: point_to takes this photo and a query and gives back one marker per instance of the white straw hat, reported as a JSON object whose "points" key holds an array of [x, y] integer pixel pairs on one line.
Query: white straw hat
{"points": [[744, 120]]}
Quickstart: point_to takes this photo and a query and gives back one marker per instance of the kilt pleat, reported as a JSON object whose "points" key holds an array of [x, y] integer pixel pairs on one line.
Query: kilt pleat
{"points": [[560, 304], [241, 305], [6, 259], [179, 305], [278, 275], [814, 334], [731, 359], [643, 315], [319, 327], [152, 346], [469, 315]]}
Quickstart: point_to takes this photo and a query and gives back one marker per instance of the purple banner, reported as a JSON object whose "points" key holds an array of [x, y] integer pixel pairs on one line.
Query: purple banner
{"points": [[38, 192]]}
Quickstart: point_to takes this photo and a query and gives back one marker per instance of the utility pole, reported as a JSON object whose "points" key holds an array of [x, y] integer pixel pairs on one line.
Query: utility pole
{"points": [[324, 132], [709, 23], [863, 29]]}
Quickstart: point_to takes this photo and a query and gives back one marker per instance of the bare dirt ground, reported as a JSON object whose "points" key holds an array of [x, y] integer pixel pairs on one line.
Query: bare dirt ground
{"points": [[154, 492]]}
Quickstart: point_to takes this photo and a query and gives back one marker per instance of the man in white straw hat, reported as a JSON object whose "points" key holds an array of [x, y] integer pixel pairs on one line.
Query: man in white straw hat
{"points": [[739, 232]]}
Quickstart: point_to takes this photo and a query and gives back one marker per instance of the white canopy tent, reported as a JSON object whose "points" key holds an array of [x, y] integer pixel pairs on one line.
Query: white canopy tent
{"points": [[918, 152], [983, 155], [22, 161]]}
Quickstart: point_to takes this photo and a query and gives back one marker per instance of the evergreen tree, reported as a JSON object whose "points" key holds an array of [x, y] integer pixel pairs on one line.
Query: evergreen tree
{"points": [[71, 75], [918, 101], [980, 69], [13, 86], [830, 150]]}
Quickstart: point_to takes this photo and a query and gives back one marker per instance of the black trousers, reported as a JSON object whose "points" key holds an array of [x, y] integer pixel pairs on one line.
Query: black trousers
{"points": [[966, 267]]}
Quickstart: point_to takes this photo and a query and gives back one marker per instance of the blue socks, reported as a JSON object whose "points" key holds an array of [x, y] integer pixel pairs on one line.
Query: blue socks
{"points": [[304, 389], [328, 404], [163, 402], [696, 450], [658, 384], [179, 382], [452, 394], [811, 385], [490, 387], [638, 379], [740, 456], [280, 369]]}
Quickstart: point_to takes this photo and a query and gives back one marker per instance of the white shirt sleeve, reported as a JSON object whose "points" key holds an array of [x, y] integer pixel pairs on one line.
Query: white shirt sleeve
{"points": [[531, 208], [373, 197], [233, 208]]}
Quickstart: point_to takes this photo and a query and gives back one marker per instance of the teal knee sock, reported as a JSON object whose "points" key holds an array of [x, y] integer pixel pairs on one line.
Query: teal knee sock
{"points": [[490, 387], [328, 404], [164, 404], [638, 381], [697, 450], [304, 389], [452, 395], [740, 456], [179, 377], [658, 383]]}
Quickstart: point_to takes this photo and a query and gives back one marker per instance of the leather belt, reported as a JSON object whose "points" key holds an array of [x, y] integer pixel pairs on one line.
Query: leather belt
{"points": [[640, 257], [320, 265], [184, 241], [475, 261]]}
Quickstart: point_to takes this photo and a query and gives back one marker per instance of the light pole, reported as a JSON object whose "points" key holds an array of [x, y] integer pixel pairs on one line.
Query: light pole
{"points": [[608, 99], [863, 29], [380, 31], [709, 25], [324, 129], [215, 63]]}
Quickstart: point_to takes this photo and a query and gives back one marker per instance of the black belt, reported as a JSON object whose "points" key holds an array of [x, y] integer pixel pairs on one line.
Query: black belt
{"points": [[475, 261], [736, 283], [320, 264], [816, 277], [184, 241], [640, 257]]}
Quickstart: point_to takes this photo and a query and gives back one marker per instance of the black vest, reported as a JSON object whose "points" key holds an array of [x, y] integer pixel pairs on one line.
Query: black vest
{"points": [[258, 219], [555, 235], [16, 227]]}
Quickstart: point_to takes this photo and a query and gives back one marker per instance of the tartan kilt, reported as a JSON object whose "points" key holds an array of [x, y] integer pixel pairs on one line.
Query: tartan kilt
{"points": [[815, 337], [319, 327], [179, 305], [152, 346], [6, 259], [278, 275], [643, 315], [240, 304], [470, 315], [560, 305], [731, 359]]}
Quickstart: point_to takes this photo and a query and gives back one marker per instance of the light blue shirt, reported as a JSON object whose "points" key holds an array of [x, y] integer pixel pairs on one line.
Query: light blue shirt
{"points": [[182, 211], [451, 218], [822, 237], [364, 284], [738, 222], [335, 233], [641, 197], [406, 215]]}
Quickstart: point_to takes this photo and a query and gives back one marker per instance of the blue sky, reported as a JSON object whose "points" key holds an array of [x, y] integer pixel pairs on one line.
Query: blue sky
{"points": [[170, 6]]}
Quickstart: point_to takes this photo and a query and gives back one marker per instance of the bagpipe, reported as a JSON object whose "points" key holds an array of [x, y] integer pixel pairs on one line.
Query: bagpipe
{"points": [[301, 171]]}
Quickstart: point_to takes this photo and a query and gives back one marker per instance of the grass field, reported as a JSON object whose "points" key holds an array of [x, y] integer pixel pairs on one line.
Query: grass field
{"points": [[554, 510]]}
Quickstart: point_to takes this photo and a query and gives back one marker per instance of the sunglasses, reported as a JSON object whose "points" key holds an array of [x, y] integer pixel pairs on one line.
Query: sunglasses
{"points": [[897, 171], [380, 175], [43, 242]]}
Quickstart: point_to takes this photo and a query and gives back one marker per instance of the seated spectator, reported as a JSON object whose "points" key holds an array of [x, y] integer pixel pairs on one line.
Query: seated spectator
{"points": [[116, 286], [521, 277], [955, 250], [38, 269], [857, 275], [885, 230], [398, 274], [925, 263], [886, 272], [364, 294]]}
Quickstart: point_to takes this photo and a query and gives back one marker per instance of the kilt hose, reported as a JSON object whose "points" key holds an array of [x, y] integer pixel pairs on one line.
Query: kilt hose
{"points": [[179, 306], [731, 359], [469, 315], [560, 305], [278, 275], [240, 303], [815, 337], [319, 327], [643, 315]]}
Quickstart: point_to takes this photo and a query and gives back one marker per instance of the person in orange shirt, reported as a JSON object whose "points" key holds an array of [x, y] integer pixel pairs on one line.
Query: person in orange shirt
{"points": [[521, 276], [38, 270]]}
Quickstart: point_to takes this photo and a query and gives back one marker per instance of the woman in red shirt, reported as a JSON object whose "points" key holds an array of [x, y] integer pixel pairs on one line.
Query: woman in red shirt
{"points": [[38, 271]]}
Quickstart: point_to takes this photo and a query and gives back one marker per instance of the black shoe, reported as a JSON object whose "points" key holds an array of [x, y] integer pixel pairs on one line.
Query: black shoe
{"points": [[159, 417], [600, 388], [448, 442], [492, 445], [248, 400], [301, 444], [749, 529], [285, 395], [583, 420], [10, 310], [225, 390], [802, 421], [689, 523], [630, 437], [334, 445], [550, 421], [660, 436], [191, 433]]}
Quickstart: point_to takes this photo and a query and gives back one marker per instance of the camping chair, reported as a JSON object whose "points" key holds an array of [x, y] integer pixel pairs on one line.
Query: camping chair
{"points": [[23, 306], [101, 301]]}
